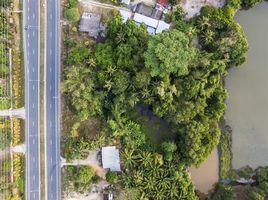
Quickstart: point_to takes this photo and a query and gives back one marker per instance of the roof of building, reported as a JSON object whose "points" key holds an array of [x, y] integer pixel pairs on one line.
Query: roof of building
{"points": [[127, 2], [144, 9], [162, 26], [110, 158], [125, 15], [146, 20], [162, 2], [90, 22]]}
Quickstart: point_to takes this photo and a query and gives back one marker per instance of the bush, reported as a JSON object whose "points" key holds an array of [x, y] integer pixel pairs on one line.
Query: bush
{"points": [[72, 14], [236, 4], [247, 4], [225, 150], [72, 3], [223, 192], [255, 196], [112, 177]]}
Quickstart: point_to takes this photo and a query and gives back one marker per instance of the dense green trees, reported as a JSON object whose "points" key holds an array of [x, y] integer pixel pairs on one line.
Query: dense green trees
{"points": [[155, 178], [199, 138], [219, 33], [169, 53]]}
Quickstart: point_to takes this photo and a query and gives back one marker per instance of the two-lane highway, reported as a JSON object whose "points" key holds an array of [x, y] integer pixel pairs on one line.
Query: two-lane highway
{"points": [[31, 58], [52, 100]]}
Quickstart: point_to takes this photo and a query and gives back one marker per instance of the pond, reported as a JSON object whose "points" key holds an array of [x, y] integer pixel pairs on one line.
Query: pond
{"points": [[207, 174], [247, 111]]}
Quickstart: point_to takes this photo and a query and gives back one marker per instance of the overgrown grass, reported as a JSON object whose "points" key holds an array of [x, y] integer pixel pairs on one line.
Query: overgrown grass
{"points": [[225, 151]]}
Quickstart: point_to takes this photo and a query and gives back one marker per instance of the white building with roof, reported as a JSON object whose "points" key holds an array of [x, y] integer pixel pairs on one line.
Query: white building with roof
{"points": [[110, 158], [127, 2], [162, 26], [154, 26]]}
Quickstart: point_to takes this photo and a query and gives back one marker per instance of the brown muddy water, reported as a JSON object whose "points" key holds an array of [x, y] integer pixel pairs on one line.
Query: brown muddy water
{"points": [[205, 176], [247, 105]]}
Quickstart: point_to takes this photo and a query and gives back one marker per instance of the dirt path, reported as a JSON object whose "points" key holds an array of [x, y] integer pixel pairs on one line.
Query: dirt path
{"points": [[91, 160], [4, 153], [98, 4], [17, 31]]}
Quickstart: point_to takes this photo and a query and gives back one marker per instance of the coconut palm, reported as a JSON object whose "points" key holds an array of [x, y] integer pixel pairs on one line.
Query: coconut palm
{"points": [[129, 158], [145, 158]]}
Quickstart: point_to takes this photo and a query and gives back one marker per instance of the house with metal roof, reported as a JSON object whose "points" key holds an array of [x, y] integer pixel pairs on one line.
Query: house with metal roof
{"points": [[110, 158], [91, 23]]}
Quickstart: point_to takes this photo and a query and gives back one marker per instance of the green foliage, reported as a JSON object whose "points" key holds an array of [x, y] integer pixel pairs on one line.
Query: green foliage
{"points": [[199, 138], [20, 183], [112, 177], [72, 14], [219, 33], [82, 177], [169, 53], [236, 4], [72, 3], [78, 54], [223, 192], [225, 150], [169, 147], [246, 4], [5, 138], [255, 196], [131, 134], [262, 178], [156, 179], [129, 194], [174, 2]]}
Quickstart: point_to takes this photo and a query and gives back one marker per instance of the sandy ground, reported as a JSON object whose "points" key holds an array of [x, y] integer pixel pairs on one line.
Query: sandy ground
{"points": [[76, 196], [146, 2], [4, 153], [192, 7], [94, 194]]}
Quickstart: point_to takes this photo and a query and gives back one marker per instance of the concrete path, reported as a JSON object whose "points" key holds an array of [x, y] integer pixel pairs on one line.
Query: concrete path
{"points": [[19, 113]]}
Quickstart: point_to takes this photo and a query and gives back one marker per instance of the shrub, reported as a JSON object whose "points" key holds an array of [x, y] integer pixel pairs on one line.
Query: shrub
{"points": [[72, 14], [72, 3], [112, 177]]}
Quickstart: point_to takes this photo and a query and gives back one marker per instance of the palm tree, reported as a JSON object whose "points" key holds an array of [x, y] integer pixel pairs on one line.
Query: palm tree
{"points": [[91, 62], [129, 158], [111, 70], [173, 192], [208, 37], [138, 176], [145, 158], [108, 85], [205, 23], [120, 37]]}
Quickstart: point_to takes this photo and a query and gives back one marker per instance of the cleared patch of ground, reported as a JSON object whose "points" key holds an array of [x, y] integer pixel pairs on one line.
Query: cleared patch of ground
{"points": [[192, 7]]}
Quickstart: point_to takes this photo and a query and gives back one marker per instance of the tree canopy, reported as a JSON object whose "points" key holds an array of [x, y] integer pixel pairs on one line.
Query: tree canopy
{"points": [[169, 53]]}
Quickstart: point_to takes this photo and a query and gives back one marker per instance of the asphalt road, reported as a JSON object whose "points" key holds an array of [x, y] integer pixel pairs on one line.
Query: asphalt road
{"points": [[31, 58], [52, 100]]}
